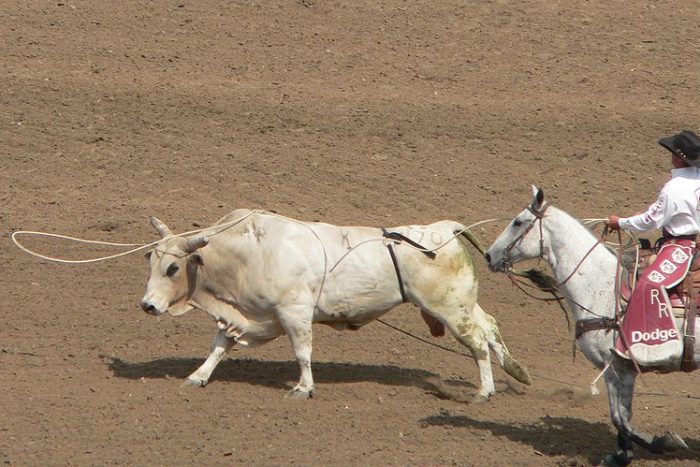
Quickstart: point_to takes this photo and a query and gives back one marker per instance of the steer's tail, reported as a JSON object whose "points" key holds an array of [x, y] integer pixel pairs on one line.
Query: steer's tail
{"points": [[464, 232]]}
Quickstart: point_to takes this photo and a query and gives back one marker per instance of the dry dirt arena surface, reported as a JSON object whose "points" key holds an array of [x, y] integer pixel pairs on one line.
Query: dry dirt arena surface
{"points": [[359, 112]]}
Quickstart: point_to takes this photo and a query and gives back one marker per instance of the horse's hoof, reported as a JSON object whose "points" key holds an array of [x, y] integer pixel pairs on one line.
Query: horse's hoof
{"points": [[299, 394], [194, 382], [479, 399], [619, 459], [672, 442]]}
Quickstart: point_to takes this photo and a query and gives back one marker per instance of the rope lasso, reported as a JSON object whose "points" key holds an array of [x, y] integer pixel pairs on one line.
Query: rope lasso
{"points": [[225, 226], [139, 246], [19, 245]]}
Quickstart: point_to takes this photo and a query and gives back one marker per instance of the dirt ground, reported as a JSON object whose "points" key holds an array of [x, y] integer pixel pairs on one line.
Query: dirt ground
{"points": [[360, 112]]}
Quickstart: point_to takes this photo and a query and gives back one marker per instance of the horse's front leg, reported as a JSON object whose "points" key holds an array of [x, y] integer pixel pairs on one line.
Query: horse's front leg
{"points": [[619, 381], [222, 344]]}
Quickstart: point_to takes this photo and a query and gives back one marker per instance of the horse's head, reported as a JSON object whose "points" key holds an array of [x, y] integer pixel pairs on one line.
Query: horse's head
{"points": [[522, 238]]}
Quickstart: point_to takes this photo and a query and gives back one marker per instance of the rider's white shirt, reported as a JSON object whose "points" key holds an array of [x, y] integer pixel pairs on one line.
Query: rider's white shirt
{"points": [[676, 209]]}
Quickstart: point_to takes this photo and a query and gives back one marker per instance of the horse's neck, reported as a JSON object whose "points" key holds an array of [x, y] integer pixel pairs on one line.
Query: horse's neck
{"points": [[584, 266]]}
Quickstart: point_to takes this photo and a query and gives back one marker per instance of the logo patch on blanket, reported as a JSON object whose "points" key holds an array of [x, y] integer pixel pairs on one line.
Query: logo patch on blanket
{"points": [[648, 331]]}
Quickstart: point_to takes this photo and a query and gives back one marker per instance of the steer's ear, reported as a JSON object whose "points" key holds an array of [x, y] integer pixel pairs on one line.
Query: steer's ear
{"points": [[538, 200], [162, 229], [195, 243]]}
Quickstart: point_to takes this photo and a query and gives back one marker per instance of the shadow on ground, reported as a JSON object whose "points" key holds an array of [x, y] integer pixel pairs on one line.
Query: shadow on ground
{"points": [[562, 436], [278, 374]]}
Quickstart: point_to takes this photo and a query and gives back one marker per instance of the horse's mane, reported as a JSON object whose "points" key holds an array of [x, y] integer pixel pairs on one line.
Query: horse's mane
{"points": [[541, 279]]}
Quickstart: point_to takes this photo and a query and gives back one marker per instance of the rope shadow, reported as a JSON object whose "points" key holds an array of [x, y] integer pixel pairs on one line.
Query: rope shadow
{"points": [[278, 374], [562, 436]]}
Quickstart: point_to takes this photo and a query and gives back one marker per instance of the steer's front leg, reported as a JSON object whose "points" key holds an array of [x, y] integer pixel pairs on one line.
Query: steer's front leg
{"points": [[222, 344], [297, 323]]}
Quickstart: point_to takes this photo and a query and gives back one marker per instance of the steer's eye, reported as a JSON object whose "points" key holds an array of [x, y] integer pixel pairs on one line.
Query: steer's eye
{"points": [[517, 223], [172, 270]]}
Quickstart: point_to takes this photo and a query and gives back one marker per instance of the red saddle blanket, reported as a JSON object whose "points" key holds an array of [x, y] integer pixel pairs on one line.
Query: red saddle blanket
{"points": [[648, 332]]}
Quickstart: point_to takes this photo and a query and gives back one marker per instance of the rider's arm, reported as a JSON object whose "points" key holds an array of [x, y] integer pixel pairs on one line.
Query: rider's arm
{"points": [[655, 217]]}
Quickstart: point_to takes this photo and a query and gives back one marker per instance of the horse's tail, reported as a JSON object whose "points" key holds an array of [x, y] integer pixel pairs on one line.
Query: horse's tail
{"points": [[465, 233]]}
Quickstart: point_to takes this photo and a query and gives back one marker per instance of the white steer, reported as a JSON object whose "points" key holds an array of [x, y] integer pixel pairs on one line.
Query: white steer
{"points": [[261, 275]]}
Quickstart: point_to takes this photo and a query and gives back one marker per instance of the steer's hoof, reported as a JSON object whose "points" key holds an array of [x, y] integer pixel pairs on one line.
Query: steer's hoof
{"points": [[299, 394], [516, 370], [194, 382], [479, 399]]}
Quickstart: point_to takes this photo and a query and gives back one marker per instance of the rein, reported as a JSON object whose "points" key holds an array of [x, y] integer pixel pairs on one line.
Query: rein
{"points": [[598, 242], [539, 217], [581, 326]]}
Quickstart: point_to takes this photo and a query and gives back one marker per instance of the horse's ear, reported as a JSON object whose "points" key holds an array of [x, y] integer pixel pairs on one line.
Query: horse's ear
{"points": [[538, 200]]}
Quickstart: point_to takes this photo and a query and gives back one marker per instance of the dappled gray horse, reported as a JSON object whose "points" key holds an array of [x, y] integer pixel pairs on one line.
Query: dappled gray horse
{"points": [[542, 230]]}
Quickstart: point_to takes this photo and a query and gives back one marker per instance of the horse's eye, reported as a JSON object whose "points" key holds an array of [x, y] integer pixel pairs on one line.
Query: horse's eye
{"points": [[517, 223], [172, 270]]}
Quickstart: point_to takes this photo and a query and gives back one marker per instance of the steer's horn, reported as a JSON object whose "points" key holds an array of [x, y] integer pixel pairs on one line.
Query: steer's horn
{"points": [[162, 229], [195, 243]]}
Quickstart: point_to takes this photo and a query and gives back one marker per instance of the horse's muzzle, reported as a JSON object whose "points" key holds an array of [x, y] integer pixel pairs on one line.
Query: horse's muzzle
{"points": [[496, 266]]}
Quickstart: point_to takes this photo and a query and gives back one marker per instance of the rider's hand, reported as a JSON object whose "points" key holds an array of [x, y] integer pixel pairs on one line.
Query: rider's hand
{"points": [[613, 222]]}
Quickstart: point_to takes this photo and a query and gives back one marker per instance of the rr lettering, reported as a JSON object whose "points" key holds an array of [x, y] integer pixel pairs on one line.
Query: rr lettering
{"points": [[663, 306]]}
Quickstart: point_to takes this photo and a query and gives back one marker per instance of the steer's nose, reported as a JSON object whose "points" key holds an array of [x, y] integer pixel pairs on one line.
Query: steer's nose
{"points": [[487, 257], [148, 307]]}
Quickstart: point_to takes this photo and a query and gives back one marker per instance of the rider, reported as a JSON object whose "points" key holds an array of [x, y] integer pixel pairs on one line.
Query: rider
{"points": [[677, 213]]}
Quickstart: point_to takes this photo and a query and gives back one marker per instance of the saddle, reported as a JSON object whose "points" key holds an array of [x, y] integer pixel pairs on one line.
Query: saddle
{"points": [[683, 297]]}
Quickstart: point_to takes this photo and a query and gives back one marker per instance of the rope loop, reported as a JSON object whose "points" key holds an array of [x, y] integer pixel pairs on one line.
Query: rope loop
{"points": [[138, 246]]}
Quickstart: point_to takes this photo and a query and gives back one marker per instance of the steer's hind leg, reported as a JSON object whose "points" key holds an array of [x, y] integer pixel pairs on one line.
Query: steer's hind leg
{"points": [[297, 322], [470, 333], [495, 341], [479, 332], [222, 344]]}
